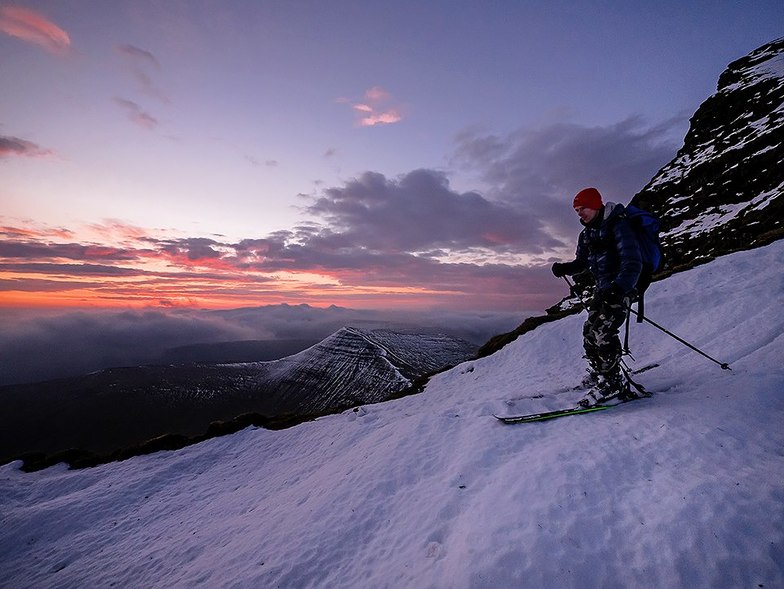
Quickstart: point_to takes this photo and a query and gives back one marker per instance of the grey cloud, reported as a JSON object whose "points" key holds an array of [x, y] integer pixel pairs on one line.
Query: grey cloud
{"points": [[194, 248], [419, 211], [541, 169]]}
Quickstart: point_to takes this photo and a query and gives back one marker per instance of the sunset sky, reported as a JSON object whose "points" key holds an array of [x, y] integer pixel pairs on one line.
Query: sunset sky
{"points": [[407, 155]]}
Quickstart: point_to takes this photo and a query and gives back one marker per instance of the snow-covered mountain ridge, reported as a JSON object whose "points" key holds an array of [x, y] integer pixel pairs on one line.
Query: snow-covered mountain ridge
{"points": [[116, 409], [354, 367], [680, 490]]}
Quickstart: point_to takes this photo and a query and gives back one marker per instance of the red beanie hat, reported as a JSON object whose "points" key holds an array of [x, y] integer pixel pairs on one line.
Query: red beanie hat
{"points": [[588, 198]]}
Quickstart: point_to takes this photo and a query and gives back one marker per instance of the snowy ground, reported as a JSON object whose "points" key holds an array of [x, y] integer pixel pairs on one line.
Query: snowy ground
{"points": [[685, 489]]}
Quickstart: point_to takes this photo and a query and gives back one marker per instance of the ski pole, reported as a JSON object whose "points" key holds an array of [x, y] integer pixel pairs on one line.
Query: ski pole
{"points": [[723, 365]]}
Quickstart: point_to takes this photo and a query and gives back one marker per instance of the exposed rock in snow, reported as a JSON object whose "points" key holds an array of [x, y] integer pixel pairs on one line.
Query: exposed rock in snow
{"points": [[724, 191]]}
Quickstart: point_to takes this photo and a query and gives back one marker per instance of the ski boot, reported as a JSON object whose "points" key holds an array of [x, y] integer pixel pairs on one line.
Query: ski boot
{"points": [[589, 381], [608, 387]]}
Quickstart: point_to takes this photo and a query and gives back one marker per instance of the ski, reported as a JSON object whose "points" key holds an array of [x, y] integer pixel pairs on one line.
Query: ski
{"points": [[549, 414], [563, 412]]}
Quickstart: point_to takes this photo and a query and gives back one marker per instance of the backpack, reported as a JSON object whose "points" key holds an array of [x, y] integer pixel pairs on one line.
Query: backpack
{"points": [[646, 228]]}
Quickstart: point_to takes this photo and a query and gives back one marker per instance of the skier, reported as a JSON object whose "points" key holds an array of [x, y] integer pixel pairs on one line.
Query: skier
{"points": [[608, 247]]}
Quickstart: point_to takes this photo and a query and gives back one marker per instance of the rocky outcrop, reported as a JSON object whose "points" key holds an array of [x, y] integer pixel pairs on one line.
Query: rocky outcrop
{"points": [[724, 191]]}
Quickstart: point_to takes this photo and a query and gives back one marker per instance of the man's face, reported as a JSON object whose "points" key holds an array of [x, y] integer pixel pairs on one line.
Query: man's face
{"points": [[586, 215]]}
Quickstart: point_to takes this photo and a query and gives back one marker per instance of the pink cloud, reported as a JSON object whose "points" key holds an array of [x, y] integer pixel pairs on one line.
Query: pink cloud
{"points": [[375, 109], [383, 118], [377, 94], [116, 230], [33, 27], [16, 232]]}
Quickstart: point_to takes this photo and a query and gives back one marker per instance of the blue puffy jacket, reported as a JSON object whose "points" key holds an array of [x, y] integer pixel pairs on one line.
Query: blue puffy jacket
{"points": [[608, 247]]}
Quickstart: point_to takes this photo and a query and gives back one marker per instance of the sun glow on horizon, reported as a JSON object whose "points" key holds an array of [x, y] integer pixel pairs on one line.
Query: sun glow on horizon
{"points": [[123, 266]]}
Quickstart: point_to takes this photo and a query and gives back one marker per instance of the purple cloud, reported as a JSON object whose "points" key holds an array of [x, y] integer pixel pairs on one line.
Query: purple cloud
{"points": [[419, 212], [70, 269], [139, 61], [136, 114], [35, 250], [15, 147], [138, 54]]}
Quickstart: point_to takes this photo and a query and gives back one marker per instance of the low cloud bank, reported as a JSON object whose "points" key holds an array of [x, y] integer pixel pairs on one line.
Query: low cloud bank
{"points": [[36, 346]]}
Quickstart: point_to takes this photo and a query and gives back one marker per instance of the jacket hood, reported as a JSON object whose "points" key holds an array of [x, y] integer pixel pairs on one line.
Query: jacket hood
{"points": [[612, 209], [608, 211]]}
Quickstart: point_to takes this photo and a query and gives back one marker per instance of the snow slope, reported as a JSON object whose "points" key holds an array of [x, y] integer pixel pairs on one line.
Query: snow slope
{"points": [[685, 489]]}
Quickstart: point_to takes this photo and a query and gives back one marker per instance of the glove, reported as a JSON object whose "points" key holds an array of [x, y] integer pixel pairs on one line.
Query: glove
{"points": [[559, 270], [612, 295]]}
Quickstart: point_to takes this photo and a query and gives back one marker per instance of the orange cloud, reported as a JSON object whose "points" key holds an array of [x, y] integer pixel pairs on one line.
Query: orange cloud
{"points": [[33, 27]]}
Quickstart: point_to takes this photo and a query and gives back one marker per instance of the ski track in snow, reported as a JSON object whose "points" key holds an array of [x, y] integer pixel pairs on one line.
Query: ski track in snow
{"points": [[684, 489]]}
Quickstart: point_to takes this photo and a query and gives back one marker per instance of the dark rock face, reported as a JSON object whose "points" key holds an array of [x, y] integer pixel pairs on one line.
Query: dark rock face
{"points": [[724, 191]]}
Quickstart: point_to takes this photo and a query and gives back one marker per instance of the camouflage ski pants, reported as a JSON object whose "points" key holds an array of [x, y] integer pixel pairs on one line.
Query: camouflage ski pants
{"points": [[600, 335]]}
